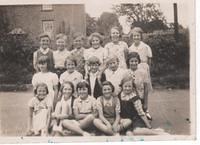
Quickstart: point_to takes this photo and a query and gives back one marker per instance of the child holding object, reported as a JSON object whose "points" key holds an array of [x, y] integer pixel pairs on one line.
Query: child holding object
{"points": [[64, 108], [39, 111], [108, 106], [84, 111]]}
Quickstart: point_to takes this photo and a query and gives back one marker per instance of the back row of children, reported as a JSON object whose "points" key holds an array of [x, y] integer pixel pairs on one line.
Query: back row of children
{"points": [[112, 71]]}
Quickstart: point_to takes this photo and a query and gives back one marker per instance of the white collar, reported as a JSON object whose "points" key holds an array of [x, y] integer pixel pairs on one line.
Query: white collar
{"points": [[44, 51]]}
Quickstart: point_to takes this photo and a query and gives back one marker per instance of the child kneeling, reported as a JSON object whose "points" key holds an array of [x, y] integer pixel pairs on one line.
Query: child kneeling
{"points": [[108, 106]]}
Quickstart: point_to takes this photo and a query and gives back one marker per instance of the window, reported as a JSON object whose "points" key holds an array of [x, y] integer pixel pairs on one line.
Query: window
{"points": [[47, 7], [48, 27]]}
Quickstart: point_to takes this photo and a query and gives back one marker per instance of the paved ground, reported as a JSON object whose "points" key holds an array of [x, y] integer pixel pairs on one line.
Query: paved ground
{"points": [[169, 108]]}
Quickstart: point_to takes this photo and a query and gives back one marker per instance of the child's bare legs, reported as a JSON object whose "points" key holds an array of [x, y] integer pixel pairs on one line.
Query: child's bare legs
{"points": [[74, 126], [87, 121], [146, 131], [102, 127], [124, 124]]}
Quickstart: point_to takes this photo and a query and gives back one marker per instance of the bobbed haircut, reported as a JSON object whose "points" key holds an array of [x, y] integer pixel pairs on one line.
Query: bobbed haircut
{"points": [[70, 58], [136, 30], [132, 55], [82, 84], [108, 83], [118, 29], [96, 34], [44, 59], [94, 60], [65, 83], [40, 85]]}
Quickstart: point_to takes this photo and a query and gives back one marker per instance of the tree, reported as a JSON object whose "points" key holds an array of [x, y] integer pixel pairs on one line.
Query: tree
{"points": [[90, 25], [147, 16], [106, 21]]}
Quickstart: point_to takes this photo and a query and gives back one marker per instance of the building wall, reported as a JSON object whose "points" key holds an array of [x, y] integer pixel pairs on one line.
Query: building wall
{"points": [[68, 18]]}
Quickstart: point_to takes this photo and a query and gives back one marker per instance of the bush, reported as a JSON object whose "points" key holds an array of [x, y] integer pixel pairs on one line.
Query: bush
{"points": [[168, 54], [16, 59]]}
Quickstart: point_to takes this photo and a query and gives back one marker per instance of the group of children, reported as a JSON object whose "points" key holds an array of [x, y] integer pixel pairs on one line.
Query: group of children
{"points": [[100, 90]]}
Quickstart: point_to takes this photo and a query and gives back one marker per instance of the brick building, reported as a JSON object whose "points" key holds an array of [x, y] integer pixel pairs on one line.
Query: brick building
{"points": [[34, 19]]}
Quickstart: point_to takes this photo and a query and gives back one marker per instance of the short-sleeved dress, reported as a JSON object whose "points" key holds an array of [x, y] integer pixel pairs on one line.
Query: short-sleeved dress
{"points": [[119, 50], [144, 52], [40, 112]]}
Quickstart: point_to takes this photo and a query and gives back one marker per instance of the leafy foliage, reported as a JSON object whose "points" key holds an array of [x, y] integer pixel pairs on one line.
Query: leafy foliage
{"points": [[147, 16]]}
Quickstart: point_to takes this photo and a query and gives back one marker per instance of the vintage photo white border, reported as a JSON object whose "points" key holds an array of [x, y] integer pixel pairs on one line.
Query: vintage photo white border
{"points": [[193, 105]]}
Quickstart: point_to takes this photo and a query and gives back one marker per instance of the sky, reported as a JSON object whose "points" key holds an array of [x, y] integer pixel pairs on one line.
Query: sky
{"points": [[96, 8]]}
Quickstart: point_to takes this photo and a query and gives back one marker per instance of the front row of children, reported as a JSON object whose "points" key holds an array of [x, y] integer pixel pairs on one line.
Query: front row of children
{"points": [[110, 114]]}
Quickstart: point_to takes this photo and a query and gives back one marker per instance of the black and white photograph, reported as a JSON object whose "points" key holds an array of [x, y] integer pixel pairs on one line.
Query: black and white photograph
{"points": [[97, 71]]}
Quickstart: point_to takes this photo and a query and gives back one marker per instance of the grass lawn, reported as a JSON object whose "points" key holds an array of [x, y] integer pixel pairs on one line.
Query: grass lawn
{"points": [[169, 109]]}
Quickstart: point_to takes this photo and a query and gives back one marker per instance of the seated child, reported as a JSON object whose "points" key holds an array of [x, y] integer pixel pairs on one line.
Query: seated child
{"points": [[64, 108], [84, 111], [95, 78], [114, 73], [131, 106], [71, 74], [39, 111], [108, 106]]}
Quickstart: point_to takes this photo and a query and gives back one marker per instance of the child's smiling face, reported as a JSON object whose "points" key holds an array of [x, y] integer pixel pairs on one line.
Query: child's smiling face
{"points": [[133, 63], [44, 42], [70, 66], [41, 92], [77, 42], [94, 67], [115, 35], [107, 91], [60, 43], [43, 67], [83, 92], [127, 87], [136, 37], [113, 64], [67, 91], [95, 42]]}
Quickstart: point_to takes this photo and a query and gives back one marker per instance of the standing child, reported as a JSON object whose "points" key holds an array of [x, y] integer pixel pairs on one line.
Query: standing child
{"points": [[78, 53], [96, 49], [84, 111], [117, 47], [131, 106], [44, 50], [114, 73], [71, 74], [108, 106], [143, 50], [60, 54], [39, 111], [64, 108], [140, 78], [47, 77], [94, 77]]}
